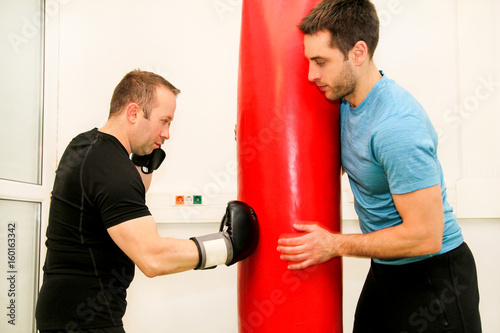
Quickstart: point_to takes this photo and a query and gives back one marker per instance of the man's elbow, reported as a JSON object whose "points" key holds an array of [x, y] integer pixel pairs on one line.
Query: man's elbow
{"points": [[431, 244], [430, 240], [150, 264], [434, 246], [149, 269], [155, 267], [425, 243]]}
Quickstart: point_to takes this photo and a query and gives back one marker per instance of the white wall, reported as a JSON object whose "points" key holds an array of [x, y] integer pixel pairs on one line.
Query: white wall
{"points": [[441, 51]]}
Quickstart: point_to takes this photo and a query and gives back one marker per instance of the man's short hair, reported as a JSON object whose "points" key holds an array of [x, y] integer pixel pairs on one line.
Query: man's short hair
{"points": [[138, 87], [348, 21]]}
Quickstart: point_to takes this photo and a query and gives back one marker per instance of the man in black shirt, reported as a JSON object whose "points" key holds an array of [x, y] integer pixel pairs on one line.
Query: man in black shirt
{"points": [[99, 225]]}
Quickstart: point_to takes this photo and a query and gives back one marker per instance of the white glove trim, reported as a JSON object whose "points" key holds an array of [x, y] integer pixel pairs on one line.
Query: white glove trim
{"points": [[214, 249]]}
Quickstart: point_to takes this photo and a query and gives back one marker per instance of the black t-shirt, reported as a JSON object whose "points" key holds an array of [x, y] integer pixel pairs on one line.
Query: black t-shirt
{"points": [[85, 273]]}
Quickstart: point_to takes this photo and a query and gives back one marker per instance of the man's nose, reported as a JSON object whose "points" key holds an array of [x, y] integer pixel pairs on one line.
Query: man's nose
{"points": [[313, 75], [165, 134]]}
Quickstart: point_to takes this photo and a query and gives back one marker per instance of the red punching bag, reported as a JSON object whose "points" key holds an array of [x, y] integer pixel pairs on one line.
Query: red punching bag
{"points": [[288, 138]]}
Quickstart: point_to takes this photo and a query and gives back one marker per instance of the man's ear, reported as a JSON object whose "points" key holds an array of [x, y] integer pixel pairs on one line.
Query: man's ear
{"points": [[132, 112], [359, 53]]}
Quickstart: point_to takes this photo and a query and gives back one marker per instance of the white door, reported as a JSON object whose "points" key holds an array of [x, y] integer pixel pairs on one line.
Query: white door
{"points": [[27, 155]]}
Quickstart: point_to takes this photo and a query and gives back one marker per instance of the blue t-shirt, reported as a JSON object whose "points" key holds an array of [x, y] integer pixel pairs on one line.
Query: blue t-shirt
{"points": [[389, 146]]}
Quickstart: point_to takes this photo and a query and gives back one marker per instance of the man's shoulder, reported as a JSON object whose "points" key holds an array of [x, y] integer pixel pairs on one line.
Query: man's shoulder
{"points": [[86, 137]]}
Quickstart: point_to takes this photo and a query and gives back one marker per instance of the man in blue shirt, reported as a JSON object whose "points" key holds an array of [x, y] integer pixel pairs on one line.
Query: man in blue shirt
{"points": [[423, 276]]}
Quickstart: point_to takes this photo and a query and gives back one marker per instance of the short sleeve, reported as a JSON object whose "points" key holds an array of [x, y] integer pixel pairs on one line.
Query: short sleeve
{"points": [[121, 199], [405, 147], [113, 186]]}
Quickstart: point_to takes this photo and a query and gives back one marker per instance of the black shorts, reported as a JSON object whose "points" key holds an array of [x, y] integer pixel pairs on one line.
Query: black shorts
{"points": [[439, 294]]}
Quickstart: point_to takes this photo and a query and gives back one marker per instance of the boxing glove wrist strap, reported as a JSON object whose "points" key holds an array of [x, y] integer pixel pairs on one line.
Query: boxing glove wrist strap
{"points": [[214, 249]]}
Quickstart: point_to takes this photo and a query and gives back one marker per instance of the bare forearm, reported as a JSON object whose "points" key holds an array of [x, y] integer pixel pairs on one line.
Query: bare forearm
{"points": [[154, 255], [317, 245], [169, 256], [393, 242], [420, 233]]}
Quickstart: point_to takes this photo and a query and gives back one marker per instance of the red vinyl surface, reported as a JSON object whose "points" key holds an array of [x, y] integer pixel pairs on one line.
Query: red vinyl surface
{"points": [[288, 139]]}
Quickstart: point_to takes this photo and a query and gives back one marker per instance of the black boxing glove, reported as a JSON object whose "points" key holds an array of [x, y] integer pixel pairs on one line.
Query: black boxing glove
{"points": [[151, 162], [237, 238]]}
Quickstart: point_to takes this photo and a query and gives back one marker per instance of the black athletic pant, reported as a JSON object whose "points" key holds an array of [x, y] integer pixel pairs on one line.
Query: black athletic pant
{"points": [[439, 294]]}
